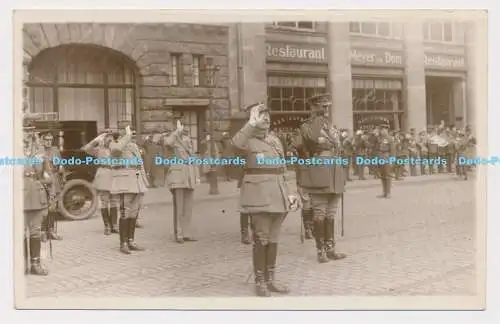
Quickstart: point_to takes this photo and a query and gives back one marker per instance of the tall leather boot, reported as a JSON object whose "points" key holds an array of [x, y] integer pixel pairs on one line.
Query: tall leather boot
{"points": [[330, 242], [307, 215], [259, 263], [132, 246], [384, 189], [106, 219], [36, 266], [272, 284], [113, 214], [388, 184], [244, 228], [123, 226], [319, 236], [51, 226]]}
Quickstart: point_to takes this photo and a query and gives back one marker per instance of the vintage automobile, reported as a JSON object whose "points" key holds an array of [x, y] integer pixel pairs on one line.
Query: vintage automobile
{"points": [[78, 198]]}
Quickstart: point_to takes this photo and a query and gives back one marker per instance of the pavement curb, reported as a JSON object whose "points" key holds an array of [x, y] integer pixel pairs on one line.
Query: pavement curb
{"points": [[355, 186]]}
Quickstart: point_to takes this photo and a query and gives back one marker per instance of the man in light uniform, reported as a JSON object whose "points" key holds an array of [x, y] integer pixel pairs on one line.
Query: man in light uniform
{"points": [[99, 148], [268, 193], [128, 183]]}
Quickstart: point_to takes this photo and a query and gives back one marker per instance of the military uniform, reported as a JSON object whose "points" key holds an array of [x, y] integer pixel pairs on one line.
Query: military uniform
{"points": [[461, 146], [267, 191], [361, 150], [181, 180], [244, 217], [324, 183], [347, 152], [423, 151], [385, 148], [37, 196], [102, 182], [49, 225], [413, 153], [129, 185], [402, 152]]}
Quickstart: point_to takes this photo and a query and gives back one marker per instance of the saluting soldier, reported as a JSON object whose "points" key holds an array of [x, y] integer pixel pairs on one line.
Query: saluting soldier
{"points": [[413, 151], [99, 148], [55, 172], [182, 179], [385, 148], [268, 193], [423, 151], [138, 153], [324, 183], [129, 185], [37, 197]]}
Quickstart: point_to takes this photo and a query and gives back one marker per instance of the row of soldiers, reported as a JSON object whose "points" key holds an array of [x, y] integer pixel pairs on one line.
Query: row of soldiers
{"points": [[120, 188], [446, 143]]}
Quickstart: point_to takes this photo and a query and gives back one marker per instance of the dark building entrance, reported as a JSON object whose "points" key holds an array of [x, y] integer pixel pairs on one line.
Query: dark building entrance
{"points": [[444, 100]]}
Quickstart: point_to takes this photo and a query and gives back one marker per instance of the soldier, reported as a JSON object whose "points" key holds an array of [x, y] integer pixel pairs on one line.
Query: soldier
{"points": [[324, 183], [37, 197], [385, 148], [128, 183], [413, 151], [266, 193], [432, 148], [55, 172], [402, 152], [423, 151], [347, 152], [361, 150], [182, 179], [139, 154], [461, 146], [99, 147]]}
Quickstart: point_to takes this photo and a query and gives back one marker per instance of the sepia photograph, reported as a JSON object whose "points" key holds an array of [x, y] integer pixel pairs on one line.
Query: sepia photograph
{"points": [[272, 160]]}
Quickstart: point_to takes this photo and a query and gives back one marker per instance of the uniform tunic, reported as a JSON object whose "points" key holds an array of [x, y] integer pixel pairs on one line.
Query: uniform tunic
{"points": [[264, 192], [103, 177], [36, 199], [180, 176], [51, 153]]}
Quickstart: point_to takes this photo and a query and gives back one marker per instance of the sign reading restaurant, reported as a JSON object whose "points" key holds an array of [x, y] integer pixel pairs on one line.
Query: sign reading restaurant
{"points": [[296, 52], [444, 61]]}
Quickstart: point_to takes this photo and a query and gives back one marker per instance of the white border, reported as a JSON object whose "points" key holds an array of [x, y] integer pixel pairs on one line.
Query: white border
{"points": [[385, 317]]}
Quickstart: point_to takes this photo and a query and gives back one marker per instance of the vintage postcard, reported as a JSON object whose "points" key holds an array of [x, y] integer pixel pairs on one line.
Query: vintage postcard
{"points": [[250, 159]]}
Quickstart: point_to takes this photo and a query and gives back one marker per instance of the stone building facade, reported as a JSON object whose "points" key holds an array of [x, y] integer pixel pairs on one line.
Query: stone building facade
{"points": [[414, 74], [116, 73]]}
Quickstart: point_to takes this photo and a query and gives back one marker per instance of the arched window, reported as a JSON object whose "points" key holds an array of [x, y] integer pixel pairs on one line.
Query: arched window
{"points": [[83, 82]]}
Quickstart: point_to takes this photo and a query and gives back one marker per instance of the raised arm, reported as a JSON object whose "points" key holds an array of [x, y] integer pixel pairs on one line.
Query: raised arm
{"points": [[119, 146], [240, 140]]}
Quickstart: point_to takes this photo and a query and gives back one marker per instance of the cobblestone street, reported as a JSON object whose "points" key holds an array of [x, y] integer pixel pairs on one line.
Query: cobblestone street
{"points": [[420, 242]]}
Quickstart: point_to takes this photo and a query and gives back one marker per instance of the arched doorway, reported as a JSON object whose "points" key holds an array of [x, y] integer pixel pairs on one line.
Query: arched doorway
{"points": [[83, 82]]}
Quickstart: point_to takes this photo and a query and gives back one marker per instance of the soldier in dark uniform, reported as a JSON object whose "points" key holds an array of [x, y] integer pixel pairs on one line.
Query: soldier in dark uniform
{"points": [[385, 148], [99, 148], [268, 193], [324, 183], [347, 152], [37, 197], [55, 172], [128, 183]]}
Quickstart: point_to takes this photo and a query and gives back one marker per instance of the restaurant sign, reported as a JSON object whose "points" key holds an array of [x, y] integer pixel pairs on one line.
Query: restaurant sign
{"points": [[289, 122], [443, 61], [311, 53], [376, 57]]}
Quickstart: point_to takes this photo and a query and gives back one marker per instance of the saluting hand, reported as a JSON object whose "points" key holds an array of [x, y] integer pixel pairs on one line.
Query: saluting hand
{"points": [[256, 118]]}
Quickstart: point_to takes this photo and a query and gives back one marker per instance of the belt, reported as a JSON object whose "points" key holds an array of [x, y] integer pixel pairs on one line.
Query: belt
{"points": [[265, 171]]}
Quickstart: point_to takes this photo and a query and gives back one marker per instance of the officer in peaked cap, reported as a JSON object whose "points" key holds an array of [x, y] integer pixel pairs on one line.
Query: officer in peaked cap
{"points": [[384, 149], [268, 193], [324, 183], [37, 197], [55, 172]]}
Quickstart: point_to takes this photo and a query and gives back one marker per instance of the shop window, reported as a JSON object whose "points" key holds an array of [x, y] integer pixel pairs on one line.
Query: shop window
{"points": [[292, 93], [439, 32], [308, 25], [379, 29], [377, 95]]}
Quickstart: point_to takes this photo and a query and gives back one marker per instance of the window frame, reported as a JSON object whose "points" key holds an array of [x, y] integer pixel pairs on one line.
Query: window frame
{"points": [[175, 80], [197, 71], [377, 24], [426, 31], [276, 24]]}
